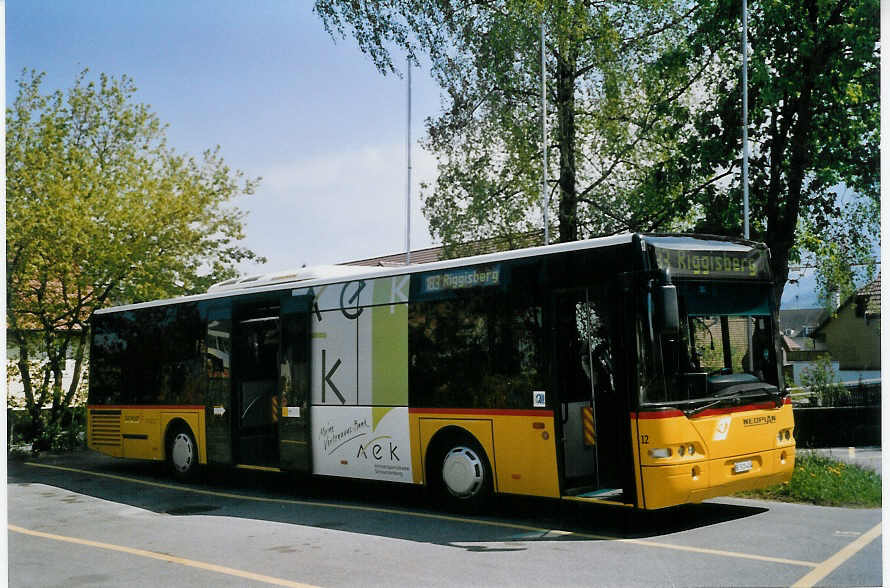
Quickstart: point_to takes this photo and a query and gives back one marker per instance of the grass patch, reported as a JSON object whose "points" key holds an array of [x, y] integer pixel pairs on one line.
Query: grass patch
{"points": [[825, 481]]}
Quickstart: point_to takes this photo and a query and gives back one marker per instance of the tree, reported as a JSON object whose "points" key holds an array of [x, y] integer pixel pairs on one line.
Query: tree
{"points": [[648, 117], [610, 111], [99, 211], [813, 99]]}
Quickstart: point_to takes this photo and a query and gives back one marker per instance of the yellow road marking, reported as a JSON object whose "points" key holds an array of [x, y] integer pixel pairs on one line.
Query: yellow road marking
{"points": [[500, 524], [835, 561], [720, 552], [164, 557]]}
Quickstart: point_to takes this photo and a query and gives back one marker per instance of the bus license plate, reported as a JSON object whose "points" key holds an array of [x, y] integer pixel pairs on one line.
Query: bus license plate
{"points": [[742, 466]]}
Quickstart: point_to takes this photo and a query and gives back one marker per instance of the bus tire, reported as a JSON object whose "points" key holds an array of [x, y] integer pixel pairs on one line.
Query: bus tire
{"points": [[459, 473], [182, 452]]}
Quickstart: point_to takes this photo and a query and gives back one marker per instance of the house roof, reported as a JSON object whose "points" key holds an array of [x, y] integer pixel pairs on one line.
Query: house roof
{"points": [[790, 344], [798, 319], [872, 295], [802, 344], [427, 255], [867, 299], [431, 254]]}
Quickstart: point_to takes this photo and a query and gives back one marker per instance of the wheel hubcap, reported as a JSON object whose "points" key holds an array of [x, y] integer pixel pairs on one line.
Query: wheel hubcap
{"points": [[463, 472], [183, 452]]}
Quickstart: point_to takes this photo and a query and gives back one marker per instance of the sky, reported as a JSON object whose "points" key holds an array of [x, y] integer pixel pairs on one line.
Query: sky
{"points": [[285, 101], [263, 80]]}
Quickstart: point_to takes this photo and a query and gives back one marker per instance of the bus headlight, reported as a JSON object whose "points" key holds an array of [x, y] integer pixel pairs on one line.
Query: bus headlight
{"points": [[686, 450], [660, 453]]}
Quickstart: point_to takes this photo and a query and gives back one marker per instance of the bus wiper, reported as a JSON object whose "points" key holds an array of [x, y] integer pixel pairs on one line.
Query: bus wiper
{"points": [[758, 389], [733, 399], [747, 388]]}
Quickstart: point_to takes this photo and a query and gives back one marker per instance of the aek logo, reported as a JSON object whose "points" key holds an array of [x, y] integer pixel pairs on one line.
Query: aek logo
{"points": [[375, 449]]}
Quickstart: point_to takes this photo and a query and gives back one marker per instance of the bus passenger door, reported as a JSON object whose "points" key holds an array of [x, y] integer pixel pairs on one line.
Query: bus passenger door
{"points": [[255, 384], [590, 407], [219, 390], [294, 372], [575, 389]]}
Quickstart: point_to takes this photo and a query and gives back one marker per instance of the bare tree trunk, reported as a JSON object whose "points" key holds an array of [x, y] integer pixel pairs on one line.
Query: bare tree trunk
{"points": [[782, 221], [565, 109], [79, 354], [32, 404]]}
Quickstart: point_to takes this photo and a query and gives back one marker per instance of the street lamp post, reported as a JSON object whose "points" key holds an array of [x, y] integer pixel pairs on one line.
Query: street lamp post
{"points": [[408, 183], [544, 203], [745, 116]]}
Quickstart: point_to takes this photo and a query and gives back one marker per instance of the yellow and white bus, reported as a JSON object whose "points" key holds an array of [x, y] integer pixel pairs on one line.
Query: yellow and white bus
{"points": [[639, 370]]}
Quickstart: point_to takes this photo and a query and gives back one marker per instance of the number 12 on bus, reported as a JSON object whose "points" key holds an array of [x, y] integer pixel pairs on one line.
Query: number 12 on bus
{"points": [[638, 370]]}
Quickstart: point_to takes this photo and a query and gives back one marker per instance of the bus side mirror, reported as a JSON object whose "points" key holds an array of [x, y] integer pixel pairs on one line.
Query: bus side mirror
{"points": [[668, 311]]}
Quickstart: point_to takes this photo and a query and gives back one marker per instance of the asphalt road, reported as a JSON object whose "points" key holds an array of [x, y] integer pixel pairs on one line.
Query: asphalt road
{"points": [[87, 520]]}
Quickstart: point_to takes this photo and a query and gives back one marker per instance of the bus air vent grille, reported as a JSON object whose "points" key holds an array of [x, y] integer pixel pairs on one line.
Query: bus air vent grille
{"points": [[105, 427]]}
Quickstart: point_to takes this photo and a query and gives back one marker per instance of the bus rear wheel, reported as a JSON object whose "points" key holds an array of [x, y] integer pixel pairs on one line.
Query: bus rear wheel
{"points": [[182, 453], [461, 475]]}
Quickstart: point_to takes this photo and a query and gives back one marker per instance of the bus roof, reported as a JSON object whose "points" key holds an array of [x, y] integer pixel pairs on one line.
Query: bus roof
{"points": [[323, 275]]}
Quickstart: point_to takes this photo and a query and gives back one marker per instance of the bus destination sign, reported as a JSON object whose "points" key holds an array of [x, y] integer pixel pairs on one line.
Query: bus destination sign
{"points": [[460, 279], [689, 263]]}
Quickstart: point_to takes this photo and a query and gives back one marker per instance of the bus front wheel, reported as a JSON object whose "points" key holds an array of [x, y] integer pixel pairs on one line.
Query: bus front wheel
{"points": [[460, 475], [182, 452]]}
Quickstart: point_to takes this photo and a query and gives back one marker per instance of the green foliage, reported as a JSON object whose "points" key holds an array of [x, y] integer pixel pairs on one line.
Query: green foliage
{"points": [[813, 125], [645, 118], [842, 252], [824, 481], [820, 380], [100, 210], [65, 433]]}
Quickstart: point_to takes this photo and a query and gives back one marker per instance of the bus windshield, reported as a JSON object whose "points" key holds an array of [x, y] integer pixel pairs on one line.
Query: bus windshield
{"points": [[726, 345]]}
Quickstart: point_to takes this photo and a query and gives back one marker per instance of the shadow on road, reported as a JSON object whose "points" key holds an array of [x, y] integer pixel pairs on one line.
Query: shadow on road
{"points": [[388, 510]]}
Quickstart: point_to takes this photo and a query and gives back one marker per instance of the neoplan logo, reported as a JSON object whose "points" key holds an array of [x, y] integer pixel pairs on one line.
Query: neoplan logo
{"points": [[759, 420]]}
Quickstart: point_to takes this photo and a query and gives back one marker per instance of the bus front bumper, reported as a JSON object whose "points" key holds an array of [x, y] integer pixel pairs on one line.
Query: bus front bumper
{"points": [[694, 481]]}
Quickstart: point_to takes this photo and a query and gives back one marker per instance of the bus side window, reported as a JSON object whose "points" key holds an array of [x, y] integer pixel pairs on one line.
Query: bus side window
{"points": [[475, 351]]}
